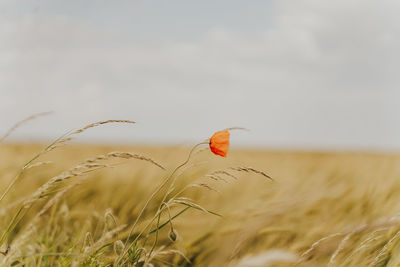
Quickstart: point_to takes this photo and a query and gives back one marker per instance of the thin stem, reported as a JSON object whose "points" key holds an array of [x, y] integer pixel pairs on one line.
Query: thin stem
{"points": [[19, 174], [14, 219], [165, 223], [169, 188], [156, 239], [18, 124], [169, 216], [141, 232], [158, 189]]}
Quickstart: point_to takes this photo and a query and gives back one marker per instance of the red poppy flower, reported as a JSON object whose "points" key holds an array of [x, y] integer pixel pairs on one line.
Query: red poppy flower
{"points": [[219, 143]]}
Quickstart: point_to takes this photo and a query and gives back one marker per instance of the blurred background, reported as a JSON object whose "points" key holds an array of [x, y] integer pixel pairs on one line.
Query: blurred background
{"points": [[305, 74]]}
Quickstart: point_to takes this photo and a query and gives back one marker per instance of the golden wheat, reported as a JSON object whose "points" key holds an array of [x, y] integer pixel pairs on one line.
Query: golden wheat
{"points": [[335, 209]]}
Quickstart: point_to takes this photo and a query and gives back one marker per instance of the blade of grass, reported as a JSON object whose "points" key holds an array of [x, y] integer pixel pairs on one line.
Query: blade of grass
{"points": [[167, 222]]}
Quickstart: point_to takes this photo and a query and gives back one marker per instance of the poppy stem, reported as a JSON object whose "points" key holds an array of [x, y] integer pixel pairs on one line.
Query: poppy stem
{"points": [[158, 189]]}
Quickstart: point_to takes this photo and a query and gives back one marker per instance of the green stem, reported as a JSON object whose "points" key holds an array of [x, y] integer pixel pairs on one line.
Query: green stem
{"points": [[165, 223]]}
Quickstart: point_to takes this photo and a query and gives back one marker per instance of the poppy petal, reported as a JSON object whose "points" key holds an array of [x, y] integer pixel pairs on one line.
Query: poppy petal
{"points": [[219, 143]]}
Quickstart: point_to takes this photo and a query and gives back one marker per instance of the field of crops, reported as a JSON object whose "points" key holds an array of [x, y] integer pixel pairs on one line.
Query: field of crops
{"points": [[97, 205]]}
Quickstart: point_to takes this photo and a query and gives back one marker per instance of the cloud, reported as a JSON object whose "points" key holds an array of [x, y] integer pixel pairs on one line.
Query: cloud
{"points": [[322, 74]]}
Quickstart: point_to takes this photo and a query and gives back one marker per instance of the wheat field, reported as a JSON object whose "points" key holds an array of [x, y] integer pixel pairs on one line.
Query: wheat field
{"points": [[98, 205]]}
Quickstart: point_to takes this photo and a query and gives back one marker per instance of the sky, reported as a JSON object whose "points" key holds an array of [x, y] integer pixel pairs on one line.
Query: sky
{"points": [[304, 74]]}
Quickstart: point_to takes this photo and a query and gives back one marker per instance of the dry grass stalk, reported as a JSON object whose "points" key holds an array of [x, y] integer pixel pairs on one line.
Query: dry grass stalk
{"points": [[33, 225], [225, 173], [169, 251], [216, 177], [364, 245], [106, 238], [38, 164], [307, 253], [251, 169], [129, 155], [12, 205], [377, 225], [95, 124], [18, 124], [388, 246], [149, 257], [57, 143], [68, 137], [340, 248], [123, 155], [236, 128], [204, 185], [78, 170], [155, 192], [82, 169]]}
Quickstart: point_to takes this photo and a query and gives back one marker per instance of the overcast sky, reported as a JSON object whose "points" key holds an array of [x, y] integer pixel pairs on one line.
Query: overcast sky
{"points": [[298, 74]]}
